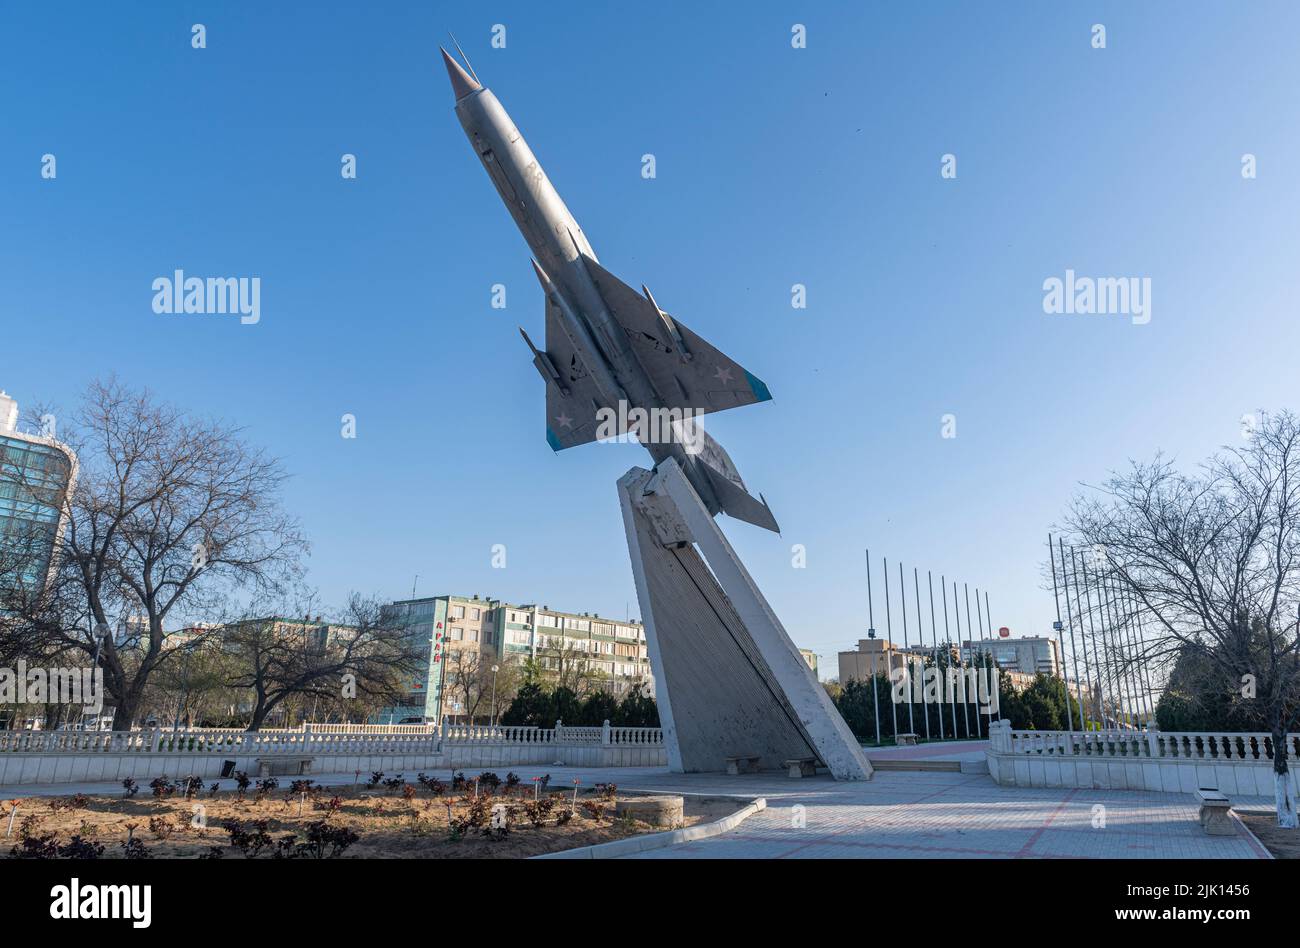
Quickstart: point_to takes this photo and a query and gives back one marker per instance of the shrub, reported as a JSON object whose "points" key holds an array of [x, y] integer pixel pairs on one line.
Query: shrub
{"points": [[78, 848], [45, 846], [325, 841], [161, 827], [248, 841], [131, 787], [136, 849], [539, 810]]}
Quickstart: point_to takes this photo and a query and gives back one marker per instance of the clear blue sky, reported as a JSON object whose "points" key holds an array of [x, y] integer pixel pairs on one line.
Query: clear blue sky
{"points": [[775, 166]]}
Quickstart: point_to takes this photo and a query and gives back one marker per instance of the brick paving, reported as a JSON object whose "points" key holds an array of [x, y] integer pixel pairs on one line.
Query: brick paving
{"points": [[920, 815]]}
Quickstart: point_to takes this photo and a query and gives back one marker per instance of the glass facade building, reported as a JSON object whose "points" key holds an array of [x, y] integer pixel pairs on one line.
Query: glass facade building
{"points": [[35, 476]]}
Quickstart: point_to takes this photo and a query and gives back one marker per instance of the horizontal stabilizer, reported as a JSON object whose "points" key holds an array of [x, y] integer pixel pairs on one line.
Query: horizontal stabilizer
{"points": [[734, 499]]}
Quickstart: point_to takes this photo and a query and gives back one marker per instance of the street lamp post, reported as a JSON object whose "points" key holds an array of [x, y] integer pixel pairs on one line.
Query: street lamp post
{"points": [[101, 631], [495, 669]]}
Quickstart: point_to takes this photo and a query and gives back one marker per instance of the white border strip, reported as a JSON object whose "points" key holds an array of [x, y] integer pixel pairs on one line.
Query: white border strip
{"points": [[637, 844]]}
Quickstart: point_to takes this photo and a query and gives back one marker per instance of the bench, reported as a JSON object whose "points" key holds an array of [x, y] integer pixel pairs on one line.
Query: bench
{"points": [[1215, 813], [905, 740], [801, 767], [284, 766], [742, 765]]}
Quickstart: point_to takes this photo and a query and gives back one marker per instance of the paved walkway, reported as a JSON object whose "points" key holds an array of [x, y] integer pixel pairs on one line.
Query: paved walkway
{"points": [[924, 815]]}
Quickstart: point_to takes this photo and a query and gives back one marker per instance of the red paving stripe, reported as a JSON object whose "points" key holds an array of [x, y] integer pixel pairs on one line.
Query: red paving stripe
{"points": [[849, 829], [1025, 850]]}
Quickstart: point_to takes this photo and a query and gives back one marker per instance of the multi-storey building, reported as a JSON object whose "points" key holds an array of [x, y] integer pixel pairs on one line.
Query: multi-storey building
{"points": [[457, 631], [465, 635], [37, 473], [872, 656], [1030, 654], [615, 650]]}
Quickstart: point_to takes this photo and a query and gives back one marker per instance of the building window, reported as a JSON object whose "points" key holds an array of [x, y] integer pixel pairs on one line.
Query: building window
{"points": [[458, 612], [474, 614], [457, 634]]}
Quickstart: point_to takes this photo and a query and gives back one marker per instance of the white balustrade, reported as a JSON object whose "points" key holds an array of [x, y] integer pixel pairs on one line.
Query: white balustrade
{"points": [[1119, 744], [315, 739]]}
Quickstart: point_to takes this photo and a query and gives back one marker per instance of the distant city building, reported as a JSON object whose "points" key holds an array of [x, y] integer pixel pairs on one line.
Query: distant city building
{"points": [[37, 473], [614, 649], [871, 657], [1030, 654], [1027, 656], [810, 657], [461, 631]]}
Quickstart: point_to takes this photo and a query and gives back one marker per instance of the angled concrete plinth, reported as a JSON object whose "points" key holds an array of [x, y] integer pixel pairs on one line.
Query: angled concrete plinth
{"points": [[729, 682]]}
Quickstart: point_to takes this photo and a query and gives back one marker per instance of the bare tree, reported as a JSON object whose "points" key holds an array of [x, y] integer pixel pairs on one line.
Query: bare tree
{"points": [[1211, 562], [170, 514], [568, 665], [278, 659]]}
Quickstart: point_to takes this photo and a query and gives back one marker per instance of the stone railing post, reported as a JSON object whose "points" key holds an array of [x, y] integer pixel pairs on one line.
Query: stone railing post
{"points": [[1000, 737], [605, 735], [559, 732], [1153, 742]]}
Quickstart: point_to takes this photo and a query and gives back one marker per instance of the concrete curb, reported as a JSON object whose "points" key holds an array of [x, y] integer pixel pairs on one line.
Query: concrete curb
{"points": [[1263, 851], [638, 844]]}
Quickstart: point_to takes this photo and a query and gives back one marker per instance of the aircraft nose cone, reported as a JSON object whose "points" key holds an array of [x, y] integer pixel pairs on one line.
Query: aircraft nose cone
{"points": [[462, 83]]}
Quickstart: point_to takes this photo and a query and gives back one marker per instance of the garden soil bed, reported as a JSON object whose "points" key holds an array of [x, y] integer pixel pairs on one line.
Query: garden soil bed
{"points": [[413, 821], [1282, 843]]}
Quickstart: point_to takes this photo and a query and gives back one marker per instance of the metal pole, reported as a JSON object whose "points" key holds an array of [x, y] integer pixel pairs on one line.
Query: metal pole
{"points": [[988, 617], [907, 660], [1108, 653], [965, 698], [1139, 648], [871, 635], [1060, 632], [1125, 666], [1092, 632], [934, 638], [920, 641], [966, 586], [943, 586], [1089, 667], [1146, 661], [1074, 644], [1108, 640], [1125, 632], [889, 657]]}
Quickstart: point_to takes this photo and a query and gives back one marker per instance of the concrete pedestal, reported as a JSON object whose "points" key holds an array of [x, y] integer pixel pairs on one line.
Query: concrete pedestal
{"points": [[729, 682]]}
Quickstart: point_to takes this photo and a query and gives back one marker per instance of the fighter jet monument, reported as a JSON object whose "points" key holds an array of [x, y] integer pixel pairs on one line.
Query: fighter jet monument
{"points": [[731, 686]]}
